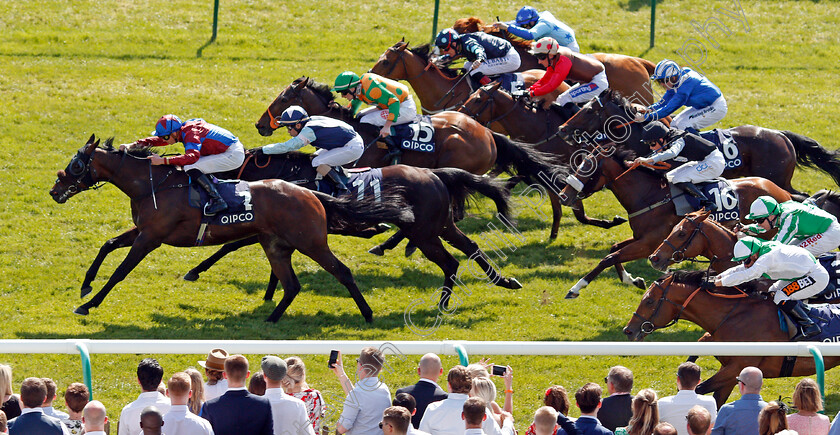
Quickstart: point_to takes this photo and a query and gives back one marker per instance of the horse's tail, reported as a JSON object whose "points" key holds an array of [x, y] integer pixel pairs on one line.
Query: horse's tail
{"points": [[811, 154], [349, 214], [461, 184], [525, 160]]}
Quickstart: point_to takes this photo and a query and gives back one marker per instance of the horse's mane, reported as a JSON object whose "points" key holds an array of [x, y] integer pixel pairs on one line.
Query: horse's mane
{"points": [[824, 195], [290, 155], [322, 89], [475, 24], [617, 98], [695, 277], [424, 53], [108, 146]]}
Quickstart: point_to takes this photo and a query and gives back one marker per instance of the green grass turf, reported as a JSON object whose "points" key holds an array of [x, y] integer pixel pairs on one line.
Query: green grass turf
{"points": [[72, 68]]}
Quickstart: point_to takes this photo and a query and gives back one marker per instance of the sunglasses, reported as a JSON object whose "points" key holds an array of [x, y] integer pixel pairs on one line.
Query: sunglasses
{"points": [[166, 137], [382, 423], [541, 56], [739, 380]]}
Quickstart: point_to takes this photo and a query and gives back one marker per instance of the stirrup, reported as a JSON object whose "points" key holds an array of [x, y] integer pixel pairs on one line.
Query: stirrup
{"points": [[214, 207]]}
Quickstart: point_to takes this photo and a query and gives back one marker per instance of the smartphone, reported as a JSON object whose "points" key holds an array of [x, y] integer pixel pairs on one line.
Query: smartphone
{"points": [[499, 370], [333, 358]]}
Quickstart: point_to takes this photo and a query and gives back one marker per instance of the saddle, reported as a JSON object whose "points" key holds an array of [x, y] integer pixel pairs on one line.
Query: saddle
{"points": [[720, 190], [827, 316], [414, 136]]}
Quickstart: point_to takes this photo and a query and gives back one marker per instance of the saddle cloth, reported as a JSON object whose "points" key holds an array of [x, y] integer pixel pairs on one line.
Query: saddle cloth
{"points": [[719, 190], [236, 193], [362, 182], [415, 136], [827, 316], [512, 82], [724, 141]]}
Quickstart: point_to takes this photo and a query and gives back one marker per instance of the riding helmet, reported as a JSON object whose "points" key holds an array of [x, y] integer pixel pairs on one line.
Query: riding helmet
{"points": [[750, 245], [664, 69], [762, 207], [445, 39], [654, 131], [526, 15], [167, 124], [294, 115], [345, 81], [546, 45]]}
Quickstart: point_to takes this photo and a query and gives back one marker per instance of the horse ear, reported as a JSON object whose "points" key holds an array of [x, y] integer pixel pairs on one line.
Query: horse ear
{"points": [[302, 84], [90, 141], [403, 39], [402, 47], [703, 215], [495, 85]]}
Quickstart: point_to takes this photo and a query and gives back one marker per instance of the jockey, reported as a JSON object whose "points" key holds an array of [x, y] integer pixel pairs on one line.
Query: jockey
{"points": [[799, 224], [685, 87], [561, 64], [799, 276], [207, 149], [392, 100], [701, 160], [338, 144], [532, 26], [486, 55]]}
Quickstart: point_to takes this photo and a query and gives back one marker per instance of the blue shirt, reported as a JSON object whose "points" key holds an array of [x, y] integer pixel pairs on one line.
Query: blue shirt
{"points": [[835, 426], [739, 417], [692, 90], [547, 25]]}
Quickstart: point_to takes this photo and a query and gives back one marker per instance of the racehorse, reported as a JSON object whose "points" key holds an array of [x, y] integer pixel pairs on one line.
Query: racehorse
{"points": [[461, 142], [427, 192], [726, 317], [771, 154], [287, 218], [439, 88], [628, 74], [647, 198]]}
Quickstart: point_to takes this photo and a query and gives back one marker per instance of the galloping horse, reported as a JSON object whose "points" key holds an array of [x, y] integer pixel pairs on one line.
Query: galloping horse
{"points": [[726, 317], [647, 198], [426, 192], [771, 154], [287, 218], [431, 82]]}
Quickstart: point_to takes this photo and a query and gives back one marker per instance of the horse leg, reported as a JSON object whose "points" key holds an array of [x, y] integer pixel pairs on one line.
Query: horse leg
{"points": [[722, 382], [281, 268], [391, 243], [194, 273], [433, 249], [139, 249], [460, 241], [581, 217], [327, 260], [556, 214], [617, 256], [271, 287], [125, 239]]}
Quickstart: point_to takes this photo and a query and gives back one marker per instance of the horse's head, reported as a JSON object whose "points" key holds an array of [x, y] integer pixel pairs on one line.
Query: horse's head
{"points": [[682, 243], [589, 176], [392, 64], [656, 310], [483, 103], [314, 97], [78, 175], [606, 114]]}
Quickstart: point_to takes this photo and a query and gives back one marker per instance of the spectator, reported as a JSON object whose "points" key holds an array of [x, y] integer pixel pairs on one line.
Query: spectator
{"points": [[444, 417], [698, 421], [396, 420], [196, 390], [807, 400], [256, 385], [180, 420], [588, 399], [151, 421], [673, 409], [426, 390], [4, 428], [545, 422], [9, 402], [645, 414], [474, 415], [772, 419], [149, 375], [295, 384], [76, 396], [741, 416], [835, 426], [478, 370], [407, 401], [238, 411], [32, 419], [214, 367], [367, 400], [616, 409], [94, 418], [47, 407], [289, 413], [486, 390], [664, 429], [556, 398]]}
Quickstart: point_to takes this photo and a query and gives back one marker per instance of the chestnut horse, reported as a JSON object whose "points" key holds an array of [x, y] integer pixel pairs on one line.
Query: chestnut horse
{"points": [[647, 198], [287, 218], [628, 74], [771, 154], [726, 317]]}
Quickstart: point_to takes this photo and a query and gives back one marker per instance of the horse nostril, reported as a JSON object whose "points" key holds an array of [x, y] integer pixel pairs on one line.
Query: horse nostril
{"points": [[628, 331], [653, 258]]}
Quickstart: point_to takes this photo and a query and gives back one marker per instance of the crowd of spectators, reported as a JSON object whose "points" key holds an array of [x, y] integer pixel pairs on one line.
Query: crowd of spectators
{"points": [[277, 400]]}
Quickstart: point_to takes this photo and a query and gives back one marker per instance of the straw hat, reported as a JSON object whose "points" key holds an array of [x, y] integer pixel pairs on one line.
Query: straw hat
{"points": [[215, 360]]}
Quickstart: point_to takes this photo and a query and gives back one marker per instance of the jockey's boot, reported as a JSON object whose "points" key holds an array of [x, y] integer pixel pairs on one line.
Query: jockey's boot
{"points": [[394, 151], [692, 130], [339, 180], [216, 203], [796, 311], [478, 80], [693, 190]]}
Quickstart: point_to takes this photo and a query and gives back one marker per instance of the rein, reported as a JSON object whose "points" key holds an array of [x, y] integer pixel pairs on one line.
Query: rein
{"points": [[490, 102]]}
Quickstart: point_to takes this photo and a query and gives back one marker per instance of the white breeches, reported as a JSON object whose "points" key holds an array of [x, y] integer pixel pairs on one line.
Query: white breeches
{"points": [[583, 92], [701, 118], [803, 288], [697, 172], [819, 244], [508, 63], [376, 116], [349, 153], [229, 160]]}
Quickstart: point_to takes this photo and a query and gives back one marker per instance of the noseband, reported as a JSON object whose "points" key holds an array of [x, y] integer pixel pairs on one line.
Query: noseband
{"points": [[295, 97], [647, 325], [678, 255]]}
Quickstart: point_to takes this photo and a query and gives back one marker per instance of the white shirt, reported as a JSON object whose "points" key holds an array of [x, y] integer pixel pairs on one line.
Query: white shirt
{"points": [[473, 432], [785, 262], [364, 406], [413, 431], [289, 413], [215, 390], [52, 412], [180, 421], [130, 415], [673, 409], [444, 418], [96, 432]]}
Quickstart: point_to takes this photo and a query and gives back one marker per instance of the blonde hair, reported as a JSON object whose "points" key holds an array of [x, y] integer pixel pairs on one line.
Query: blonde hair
{"points": [[806, 396], [295, 374], [485, 389], [772, 419], [645, 413], [476, 370], [197, 388], [5, 381], [545, 419]]}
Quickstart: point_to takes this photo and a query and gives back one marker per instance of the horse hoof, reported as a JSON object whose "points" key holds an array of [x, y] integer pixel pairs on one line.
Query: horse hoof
{"points": [[618, 220], [369, 318], [85, 291], [271, 319], [381, 228], [410, 250], [82, 311], [376, 250], [640, 283], [510, 283], [572, 295], [191, 276]]}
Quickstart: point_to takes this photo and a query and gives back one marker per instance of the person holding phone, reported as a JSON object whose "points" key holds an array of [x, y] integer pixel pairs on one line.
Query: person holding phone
{"points": [[367, 399]]}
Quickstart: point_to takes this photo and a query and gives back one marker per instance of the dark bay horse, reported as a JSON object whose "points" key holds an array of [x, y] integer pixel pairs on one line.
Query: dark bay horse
{"points": [[766, 153], [726, 317], [647, 198], [428, 193], [287, 218]]}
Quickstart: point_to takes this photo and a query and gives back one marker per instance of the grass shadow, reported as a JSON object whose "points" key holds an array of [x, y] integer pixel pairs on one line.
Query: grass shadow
{"points": [[635, 5]]}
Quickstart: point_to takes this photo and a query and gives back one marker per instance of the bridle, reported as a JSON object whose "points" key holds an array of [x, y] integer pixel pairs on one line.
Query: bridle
{"points": [[400, 53], [296, 97], [488, 103], [678, 256], [83, 173]]}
